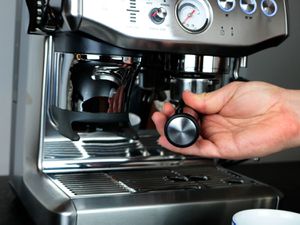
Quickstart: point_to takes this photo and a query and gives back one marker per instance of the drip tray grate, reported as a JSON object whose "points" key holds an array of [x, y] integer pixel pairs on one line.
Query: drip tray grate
{"points": [[125, 182], [75, 184]]}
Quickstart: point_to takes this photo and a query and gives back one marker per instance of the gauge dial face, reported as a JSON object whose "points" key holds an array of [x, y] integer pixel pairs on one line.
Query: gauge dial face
{"points": [[194, 16]]}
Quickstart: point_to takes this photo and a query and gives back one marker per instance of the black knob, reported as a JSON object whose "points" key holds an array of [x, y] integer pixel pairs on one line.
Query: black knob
{"points": [[182, 130], [158, 15]]}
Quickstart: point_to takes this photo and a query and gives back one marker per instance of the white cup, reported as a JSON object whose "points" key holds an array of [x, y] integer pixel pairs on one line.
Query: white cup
{"points": [[265, 217]]}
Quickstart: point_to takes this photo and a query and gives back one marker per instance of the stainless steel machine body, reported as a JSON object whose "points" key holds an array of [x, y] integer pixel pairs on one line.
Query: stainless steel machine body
{"points": [[89, 73]]}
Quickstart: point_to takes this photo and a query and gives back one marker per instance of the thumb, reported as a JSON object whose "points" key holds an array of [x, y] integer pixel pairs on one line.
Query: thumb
{"points": [[211, 102]]}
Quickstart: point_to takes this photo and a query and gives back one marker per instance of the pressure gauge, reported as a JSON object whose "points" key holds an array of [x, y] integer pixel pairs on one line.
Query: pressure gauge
{"points": [[194, 16]]}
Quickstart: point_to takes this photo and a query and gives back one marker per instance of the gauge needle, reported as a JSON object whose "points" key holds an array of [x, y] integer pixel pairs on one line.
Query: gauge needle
{"points": [[155, 13], [189, 16]]}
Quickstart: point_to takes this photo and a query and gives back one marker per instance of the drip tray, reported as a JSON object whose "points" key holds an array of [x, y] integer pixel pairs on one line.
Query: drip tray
{"points": [[105, 150], [140, 181]]}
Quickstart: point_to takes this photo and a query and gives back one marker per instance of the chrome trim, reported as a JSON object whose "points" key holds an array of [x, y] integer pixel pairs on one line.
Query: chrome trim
{"points": [[200, 64], [244, 62], [59, 85], [47, 70], [93, 165], [62, 94], [72, 12], [195, 85], [285, 17]]}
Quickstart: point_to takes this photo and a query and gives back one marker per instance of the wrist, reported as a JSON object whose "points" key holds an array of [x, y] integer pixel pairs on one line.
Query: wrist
{"points": [[292, 106]]}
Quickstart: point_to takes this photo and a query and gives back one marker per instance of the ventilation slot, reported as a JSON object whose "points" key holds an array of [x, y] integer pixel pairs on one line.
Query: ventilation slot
{"points": [[60, 149], [112, 150], [88, 184]]}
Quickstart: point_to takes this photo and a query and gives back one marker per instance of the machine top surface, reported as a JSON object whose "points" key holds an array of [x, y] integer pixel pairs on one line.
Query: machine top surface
{"points": [[214, 27]]}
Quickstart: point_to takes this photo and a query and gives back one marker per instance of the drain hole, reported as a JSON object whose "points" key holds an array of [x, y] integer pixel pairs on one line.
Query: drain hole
{"points": [[197, 178], [234, 181], [178, 178]]}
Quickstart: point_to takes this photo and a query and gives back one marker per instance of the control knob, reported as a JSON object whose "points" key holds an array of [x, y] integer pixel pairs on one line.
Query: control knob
{"points": [[158, 15], [269, 7], [227, 5], [248, 6]]}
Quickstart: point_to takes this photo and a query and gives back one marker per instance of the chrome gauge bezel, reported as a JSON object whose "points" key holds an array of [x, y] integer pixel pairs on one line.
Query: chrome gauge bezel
{"points": [[209, 18]]}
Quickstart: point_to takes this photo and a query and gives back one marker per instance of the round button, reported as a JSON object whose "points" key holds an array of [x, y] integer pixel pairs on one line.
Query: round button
{"points": [[269, 7], [158, 15], [248, 6], [227, 5], [182, 130]]}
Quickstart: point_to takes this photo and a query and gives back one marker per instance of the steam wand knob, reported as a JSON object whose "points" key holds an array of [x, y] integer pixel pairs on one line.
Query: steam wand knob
{"points": [[182, 130]]}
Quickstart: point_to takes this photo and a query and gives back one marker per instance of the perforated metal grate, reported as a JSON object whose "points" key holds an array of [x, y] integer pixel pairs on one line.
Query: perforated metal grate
{"points": [[114, 182], [88, 184], [154, 180], [102, 149]]}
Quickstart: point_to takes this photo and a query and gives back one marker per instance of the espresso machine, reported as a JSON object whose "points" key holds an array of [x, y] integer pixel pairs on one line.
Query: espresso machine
{"points": [[84, 147]]}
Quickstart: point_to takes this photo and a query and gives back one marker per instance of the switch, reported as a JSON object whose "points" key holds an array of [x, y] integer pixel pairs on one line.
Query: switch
{"points": [[269, 7], [158, 15], [248, 6], [227, 5]]}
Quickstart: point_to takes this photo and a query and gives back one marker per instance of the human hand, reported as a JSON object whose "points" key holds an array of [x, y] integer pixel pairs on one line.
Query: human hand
{"points": [[241, 120]]}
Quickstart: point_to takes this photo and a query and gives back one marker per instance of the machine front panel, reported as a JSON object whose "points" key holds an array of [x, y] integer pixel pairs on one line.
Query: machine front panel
{"points": [[184, 25]]}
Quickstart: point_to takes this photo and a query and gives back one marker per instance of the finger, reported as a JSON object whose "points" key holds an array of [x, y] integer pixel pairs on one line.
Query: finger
{"points": [[109, 110], [159, 120], [212, 102], [203, 148], [168, 109], [120, 99], [191, 112]]}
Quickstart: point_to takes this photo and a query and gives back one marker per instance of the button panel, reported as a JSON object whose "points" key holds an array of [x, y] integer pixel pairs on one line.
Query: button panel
{"points": [[208, 27]]}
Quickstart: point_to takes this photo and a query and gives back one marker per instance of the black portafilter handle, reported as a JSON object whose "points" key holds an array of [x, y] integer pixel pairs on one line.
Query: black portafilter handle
{"points": [[182, 130]]}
